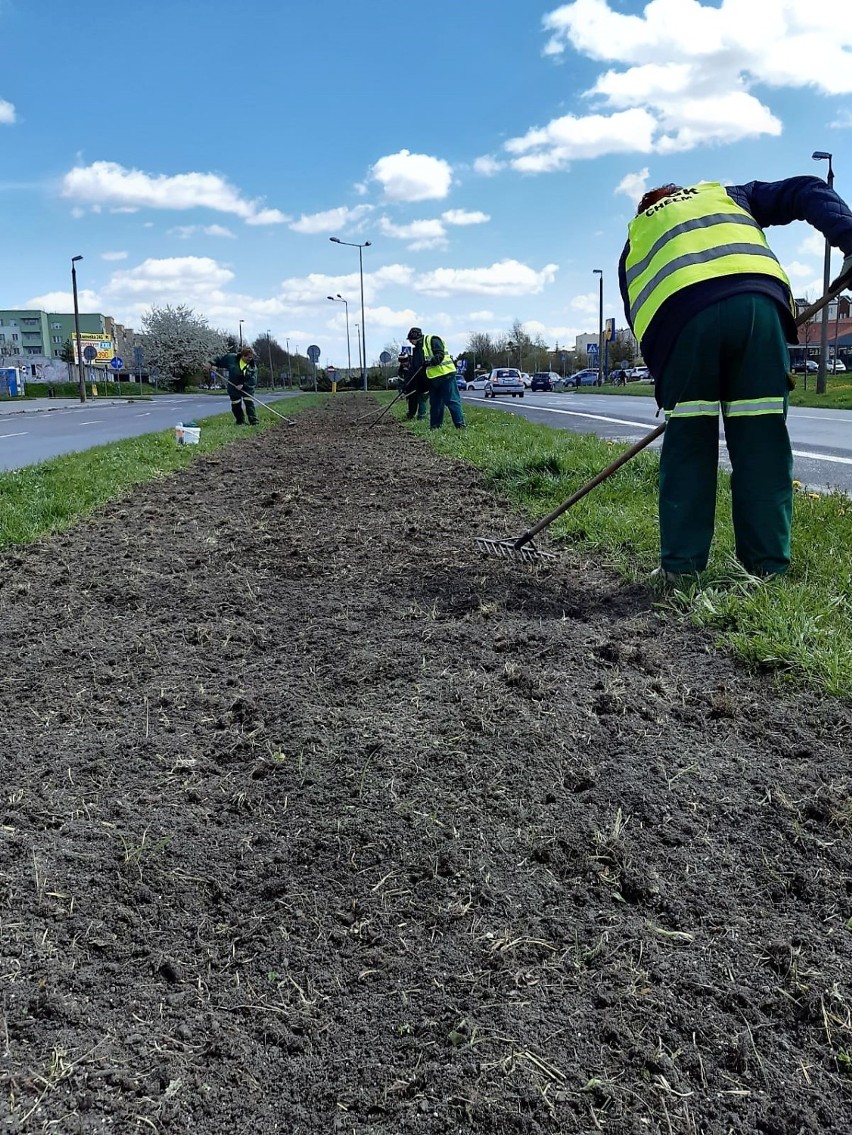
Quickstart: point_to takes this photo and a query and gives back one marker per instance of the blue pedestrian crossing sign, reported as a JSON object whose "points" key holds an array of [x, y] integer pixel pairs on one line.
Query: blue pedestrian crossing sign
{"points": [[116, 363]]}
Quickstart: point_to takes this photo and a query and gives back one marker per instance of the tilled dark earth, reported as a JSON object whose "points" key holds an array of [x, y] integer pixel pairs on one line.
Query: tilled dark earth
{"points": [[314, 821]]}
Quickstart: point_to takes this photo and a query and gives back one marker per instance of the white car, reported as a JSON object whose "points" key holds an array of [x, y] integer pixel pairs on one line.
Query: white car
{"points": [[477, 383], [837, 366], [525, 379], [505, 380]]}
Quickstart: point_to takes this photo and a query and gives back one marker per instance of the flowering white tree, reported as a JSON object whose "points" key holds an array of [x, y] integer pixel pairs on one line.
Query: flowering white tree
{"points": [[179, 343]]}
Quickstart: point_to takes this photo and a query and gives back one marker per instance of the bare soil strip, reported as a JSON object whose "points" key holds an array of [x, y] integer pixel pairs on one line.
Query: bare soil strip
{"points": [[314, 821]]}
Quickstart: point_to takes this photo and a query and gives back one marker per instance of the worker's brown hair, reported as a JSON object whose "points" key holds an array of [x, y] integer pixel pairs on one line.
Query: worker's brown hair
{"points": [[655, 195]]}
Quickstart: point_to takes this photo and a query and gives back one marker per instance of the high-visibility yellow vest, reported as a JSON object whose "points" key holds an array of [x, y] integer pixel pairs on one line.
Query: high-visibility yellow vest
{"points": [[696, 235], [446, 367]]}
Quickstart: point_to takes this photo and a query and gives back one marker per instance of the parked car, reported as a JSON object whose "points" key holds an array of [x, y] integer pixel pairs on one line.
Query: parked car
{"points": [[525, 379], [587, 377], [504, 380], [461, 381], [478, 383], [837, 366], [546, 380], [805, 366], [638, 374]]}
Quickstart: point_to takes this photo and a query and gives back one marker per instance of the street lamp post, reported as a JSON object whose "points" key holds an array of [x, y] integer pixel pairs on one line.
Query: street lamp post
{"points": [[80, 371], [242, 321], [599, 272], [289, 366], [510, 346], [358, 330], [348, 343], [820, 156], [363, 335], [269, 349]]}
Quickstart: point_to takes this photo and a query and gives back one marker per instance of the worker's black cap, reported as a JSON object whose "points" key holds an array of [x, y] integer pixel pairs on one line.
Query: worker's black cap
{"points": [[414, 334]]}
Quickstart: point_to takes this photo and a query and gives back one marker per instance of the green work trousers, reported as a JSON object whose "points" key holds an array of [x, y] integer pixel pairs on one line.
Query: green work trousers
{"points": [[731, 356]]}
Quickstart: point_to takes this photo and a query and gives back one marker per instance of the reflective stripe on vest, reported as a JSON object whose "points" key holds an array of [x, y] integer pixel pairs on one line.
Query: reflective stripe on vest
{"points": [[696, 235], [446, 367]]}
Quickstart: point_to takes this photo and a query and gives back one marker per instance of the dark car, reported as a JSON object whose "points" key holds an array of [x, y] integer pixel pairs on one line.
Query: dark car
{"points": [[587, 377], [546, 380], [805, 366]]}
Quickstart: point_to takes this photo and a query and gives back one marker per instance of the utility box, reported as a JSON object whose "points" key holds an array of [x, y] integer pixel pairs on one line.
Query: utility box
{"points": [[11, 382]]}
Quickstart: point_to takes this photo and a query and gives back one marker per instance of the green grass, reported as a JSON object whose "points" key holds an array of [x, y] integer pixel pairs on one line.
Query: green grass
{"points": [[799, 626], [53, 495]]}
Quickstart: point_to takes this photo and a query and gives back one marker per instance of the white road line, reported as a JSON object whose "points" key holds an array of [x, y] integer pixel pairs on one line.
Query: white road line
{"points": [[23, 433], [822, 457], [580, 414], [91, 422], [645, 426]]}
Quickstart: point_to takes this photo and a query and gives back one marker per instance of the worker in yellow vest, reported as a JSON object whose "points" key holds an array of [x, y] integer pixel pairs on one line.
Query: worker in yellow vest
{"points": [[431, 354], [712, 309]]}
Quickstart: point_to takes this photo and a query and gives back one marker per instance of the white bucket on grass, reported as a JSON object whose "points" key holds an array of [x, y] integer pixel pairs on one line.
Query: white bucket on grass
{"points": [[187, 434]]}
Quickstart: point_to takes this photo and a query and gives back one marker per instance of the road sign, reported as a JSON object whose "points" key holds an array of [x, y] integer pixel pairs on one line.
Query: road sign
{"points": [[314, 352], [138, 356], [116, 363], [90, 353], [385, 357]]}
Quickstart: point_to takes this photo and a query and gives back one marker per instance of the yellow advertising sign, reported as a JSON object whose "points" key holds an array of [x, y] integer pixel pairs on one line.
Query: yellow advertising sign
{"points": [[105, 348]]}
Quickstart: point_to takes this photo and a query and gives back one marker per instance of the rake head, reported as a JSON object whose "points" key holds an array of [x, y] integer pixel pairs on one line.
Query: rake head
{"points": [[509, 550]]}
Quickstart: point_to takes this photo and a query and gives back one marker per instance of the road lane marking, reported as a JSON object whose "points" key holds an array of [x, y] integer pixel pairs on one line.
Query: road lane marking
{"points": [[822, 457], [23, 433], [644, 425]]}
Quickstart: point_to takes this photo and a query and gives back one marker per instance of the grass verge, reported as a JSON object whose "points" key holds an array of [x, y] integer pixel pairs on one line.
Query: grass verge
{"points": [[51, 496], [799, 626]]}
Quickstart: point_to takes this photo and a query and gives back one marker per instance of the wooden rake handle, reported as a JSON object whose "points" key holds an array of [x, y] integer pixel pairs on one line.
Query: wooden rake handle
{"points": [[628, 455]]}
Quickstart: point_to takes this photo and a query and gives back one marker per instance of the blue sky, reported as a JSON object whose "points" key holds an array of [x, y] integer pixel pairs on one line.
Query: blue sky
{"points": [[492, 151]]}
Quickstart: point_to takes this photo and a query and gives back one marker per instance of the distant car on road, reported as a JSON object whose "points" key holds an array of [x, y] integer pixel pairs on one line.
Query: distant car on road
{"points": [[525, 379], [546, 380], [587, 377], [478, 383], [805, 366], [504, 380], [461, 381]]}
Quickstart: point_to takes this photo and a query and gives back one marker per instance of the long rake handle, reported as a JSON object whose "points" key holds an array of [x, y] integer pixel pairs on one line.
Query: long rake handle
{"points": [[393, 403], [254, 398], [630, 453]]}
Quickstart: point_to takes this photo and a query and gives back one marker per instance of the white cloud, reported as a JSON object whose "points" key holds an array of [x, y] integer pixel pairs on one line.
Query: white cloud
{"points": [[464, 217], [108, 183], [420, 234], [505, 278], [7, 112], [87, 300], [412, 177], [184, 232], [113, 256], [634, 185], [181, 278], [310, 289], [843, 121], [686, 70], [564, 139], [488, 166], [330, 220]]}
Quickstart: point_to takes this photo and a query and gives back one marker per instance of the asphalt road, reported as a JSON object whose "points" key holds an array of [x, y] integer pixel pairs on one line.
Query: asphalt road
{"points": [[34, 431], [822, 439], [37, 430]]}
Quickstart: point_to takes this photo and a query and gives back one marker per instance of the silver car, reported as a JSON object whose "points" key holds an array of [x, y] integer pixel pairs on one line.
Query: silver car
{"points": [[505, 380]]}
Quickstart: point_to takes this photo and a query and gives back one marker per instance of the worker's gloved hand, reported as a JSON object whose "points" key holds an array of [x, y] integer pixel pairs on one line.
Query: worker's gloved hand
{"points": [[845, 270]]}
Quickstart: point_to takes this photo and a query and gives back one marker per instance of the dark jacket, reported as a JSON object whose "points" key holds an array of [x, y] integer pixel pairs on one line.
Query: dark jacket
{"points": [[236, 375], [770, 203]]}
